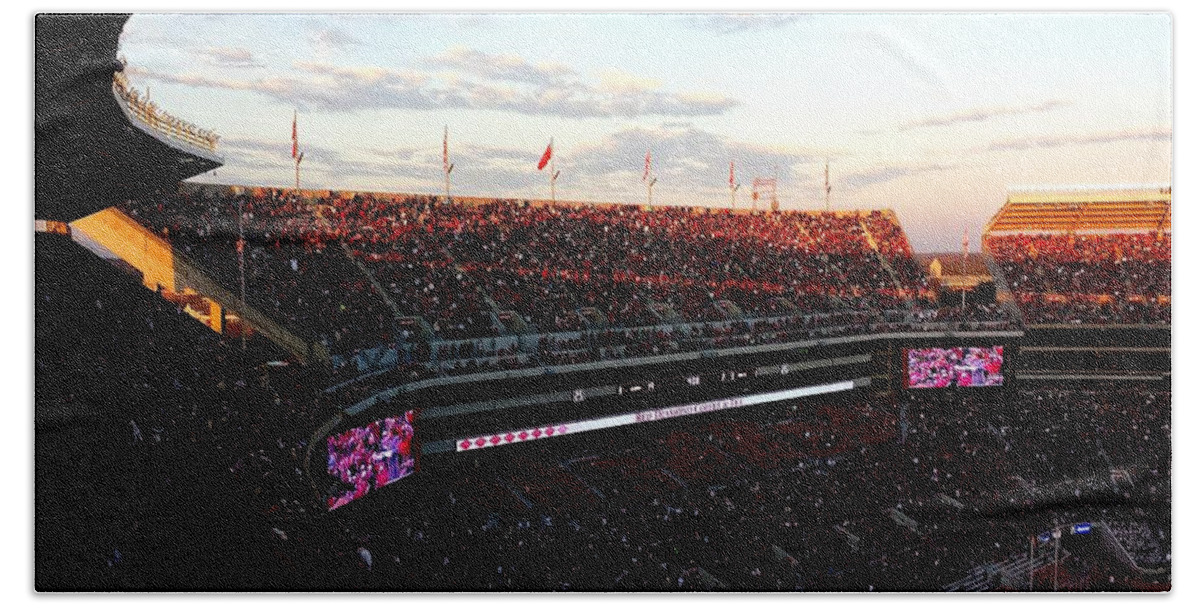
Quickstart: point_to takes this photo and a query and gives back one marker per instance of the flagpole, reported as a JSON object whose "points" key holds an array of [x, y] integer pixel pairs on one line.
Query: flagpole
{"points": [[295, 150], [732, 189], [649, 182], [963, 306], [828, 189], [299, 159], [552, 175], [446, 160]]}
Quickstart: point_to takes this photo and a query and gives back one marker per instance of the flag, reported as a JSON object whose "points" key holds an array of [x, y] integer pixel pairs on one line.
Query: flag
{"points": [[295, 139], [828, 189], [646, 172], [730, 174], [446, 150], [546, 155]]}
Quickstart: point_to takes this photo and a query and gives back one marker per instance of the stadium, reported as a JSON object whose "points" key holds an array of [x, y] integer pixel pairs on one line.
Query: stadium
{"points": [[243, 386]]}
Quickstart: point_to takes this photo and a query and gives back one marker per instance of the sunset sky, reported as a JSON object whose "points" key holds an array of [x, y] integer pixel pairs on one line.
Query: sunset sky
{"points": [[933, 116]]}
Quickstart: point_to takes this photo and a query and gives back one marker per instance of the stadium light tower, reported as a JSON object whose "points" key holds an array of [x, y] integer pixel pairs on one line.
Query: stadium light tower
{"points": [[764, 188]]}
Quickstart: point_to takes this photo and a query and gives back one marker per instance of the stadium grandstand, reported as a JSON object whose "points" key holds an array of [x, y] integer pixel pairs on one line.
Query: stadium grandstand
{"points": [[247, 387], [1086, 256], [1090, 269]]}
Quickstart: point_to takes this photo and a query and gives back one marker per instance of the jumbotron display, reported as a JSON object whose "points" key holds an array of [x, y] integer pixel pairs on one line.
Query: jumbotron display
{"points": [[371, 456], [944, 367]]}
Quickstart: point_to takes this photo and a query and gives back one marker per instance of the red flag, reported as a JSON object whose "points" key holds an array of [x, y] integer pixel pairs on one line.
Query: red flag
{"points": [[546, 155], [966, 242], [646, 173], [295, 139], [730, 174]]}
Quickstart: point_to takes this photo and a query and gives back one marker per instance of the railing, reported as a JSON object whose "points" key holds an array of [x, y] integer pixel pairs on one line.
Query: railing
{"points": [[1010, 573], [714, 334], [148, 113]]}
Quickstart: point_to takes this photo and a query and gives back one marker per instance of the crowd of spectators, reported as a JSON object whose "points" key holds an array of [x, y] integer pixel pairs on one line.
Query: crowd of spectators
{"points": [[840, 493], [578, 283], [149, 114], [1143, 545], [804, 500], [1088, 278], [163, 450], [207, 452]]}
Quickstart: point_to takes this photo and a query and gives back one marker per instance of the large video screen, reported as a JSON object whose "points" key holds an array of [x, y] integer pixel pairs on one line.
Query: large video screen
{"points": [[370, 456], [943, 367]]}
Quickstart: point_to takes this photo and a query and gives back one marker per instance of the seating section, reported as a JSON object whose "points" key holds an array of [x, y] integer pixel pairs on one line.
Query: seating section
{"points": [[155, 436], [340, 269], [1143, 545], [1088, 278], [793, 499]]}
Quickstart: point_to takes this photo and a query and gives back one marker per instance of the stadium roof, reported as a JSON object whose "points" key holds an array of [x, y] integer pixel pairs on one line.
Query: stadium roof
{"points": [[89, 153], [1084, 209]]}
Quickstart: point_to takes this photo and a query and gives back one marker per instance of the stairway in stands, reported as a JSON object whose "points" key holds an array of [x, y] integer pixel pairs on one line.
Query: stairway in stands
{"points": [[883, 260], [1004, 295]]}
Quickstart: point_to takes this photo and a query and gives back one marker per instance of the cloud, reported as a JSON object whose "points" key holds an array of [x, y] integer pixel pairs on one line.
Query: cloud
{"points": [[479, 169], [982, 114], [909, 56], [192, 80], [480, 81], [251, 160], [687, 157], [618, 81], [224, 56], [689, 162], [734, 23], [880, 175], [1083, 139], [509, 68], [246, 151], [328, 39]]}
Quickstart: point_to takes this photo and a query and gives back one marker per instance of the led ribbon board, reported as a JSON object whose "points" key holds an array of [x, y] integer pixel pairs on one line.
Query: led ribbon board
{"points": [[581, 426]]}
